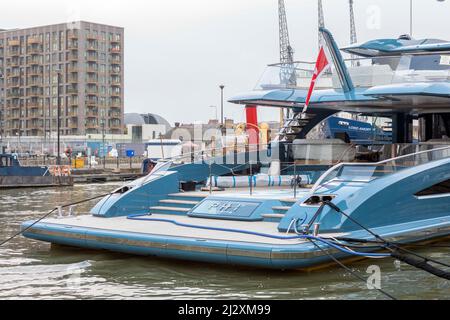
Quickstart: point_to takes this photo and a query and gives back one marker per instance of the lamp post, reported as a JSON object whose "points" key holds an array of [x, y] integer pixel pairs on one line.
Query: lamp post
{"points": [[58, 121], [222, 87], [411, 17], [103, 143]]}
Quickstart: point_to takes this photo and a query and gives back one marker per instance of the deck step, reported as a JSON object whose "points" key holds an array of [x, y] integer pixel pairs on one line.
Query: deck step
{"points": [[273, 216], [181, 202], [172, 209], [281, 208], [188, 195], [289, 200]]}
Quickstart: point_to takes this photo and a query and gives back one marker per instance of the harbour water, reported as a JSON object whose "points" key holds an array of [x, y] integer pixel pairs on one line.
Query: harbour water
{"points": [[35, 270]]}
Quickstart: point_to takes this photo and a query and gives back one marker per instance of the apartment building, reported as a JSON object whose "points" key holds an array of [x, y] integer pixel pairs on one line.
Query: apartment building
{"points": [[86, 59]]}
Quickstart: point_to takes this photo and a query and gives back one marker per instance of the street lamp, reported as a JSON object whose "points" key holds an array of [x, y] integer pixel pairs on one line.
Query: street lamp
{"points": [[411, 15], [103, 141], [221, 104], [58, 157]]}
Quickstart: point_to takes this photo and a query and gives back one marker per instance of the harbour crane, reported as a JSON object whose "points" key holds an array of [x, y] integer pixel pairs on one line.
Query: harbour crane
{"points": [[353, 36], [321, 19], [287, 70]]}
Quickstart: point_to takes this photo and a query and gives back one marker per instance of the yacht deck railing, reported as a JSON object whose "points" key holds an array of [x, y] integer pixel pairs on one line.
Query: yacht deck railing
{"points": [[444, 152]]}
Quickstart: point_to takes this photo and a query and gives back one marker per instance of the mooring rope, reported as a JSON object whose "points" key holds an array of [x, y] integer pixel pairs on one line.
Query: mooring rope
{"points": [[48, 214]]}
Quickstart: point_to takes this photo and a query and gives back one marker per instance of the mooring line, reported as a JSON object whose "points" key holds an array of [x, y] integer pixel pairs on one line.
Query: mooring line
{"points": [[48, 214]]}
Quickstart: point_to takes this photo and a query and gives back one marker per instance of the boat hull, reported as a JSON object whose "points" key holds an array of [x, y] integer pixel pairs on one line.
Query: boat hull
{"points": [[10, 182], [300, 254]]}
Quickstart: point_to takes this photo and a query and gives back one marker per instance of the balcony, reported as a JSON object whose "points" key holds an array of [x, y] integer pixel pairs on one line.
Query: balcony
{"points": [[72, 35], [73, 113], [35, 93], [115, 71], [14, 94], [115, 126], [115, 115], [116, 50], [35, 50], [92, 80], [116, 104], [34, 106], [13, 106], [91, 58], [14, 126], [13, 74], [73, 124], [72, 69], [34, 40], [91, 69], [35, 115], [14, 53], [72, 90], [92, 114], [92, 89], [73, 102], [92, 125], [32, 62], [14, 84], [13, 63], [34, 72], [115, 93], [91, 37], [116, 81], [72, 56], [13, 43], [72, 79], [91, 101], [116, 61], [92, 47], [35, 82], [72, 46]]}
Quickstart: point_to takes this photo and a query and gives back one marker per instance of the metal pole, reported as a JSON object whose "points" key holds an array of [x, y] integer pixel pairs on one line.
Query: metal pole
{"points": [[221, 105], [162, 146], [251, 179], [58, 157], [103, 143], [210, 178], [411, 18], [295, 180]]}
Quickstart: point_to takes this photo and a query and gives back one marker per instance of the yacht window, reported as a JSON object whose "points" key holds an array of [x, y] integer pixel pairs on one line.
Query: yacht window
{"points": [[440, 188]]}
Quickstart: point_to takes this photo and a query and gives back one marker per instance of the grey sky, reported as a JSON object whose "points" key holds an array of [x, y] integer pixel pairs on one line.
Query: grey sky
{"points": [[177, 52]]}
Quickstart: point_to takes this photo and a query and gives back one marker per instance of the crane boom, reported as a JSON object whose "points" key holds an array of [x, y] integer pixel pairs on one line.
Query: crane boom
{"points": [[286, 51]]}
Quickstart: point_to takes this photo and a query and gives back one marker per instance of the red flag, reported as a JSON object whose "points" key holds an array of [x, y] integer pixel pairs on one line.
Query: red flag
{"points": [[322, 65]]}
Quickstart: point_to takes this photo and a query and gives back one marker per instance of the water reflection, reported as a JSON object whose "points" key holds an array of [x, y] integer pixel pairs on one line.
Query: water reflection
{"points": [[35, 270]]}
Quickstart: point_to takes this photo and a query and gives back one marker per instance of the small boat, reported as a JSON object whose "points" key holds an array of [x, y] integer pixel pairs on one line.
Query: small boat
{"points": [[14, 175], [296, 204]]}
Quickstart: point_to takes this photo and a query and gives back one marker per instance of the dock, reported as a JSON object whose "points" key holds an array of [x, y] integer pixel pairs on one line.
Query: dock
{"points": [[81, 176]]}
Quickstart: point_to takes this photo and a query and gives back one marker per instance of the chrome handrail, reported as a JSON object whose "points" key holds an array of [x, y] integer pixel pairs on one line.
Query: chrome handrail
{"points": [[370, 164]]}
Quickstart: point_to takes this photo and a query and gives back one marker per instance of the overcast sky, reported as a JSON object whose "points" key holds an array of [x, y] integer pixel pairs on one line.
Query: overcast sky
{"points": [[177, 52]]}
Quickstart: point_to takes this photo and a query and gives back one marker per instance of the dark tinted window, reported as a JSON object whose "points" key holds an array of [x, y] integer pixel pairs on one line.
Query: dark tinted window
{"points": [[440, 188]]}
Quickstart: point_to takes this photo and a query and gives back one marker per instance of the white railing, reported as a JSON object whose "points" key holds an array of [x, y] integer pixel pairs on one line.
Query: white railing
{"points": [[364, 72], [324, 177]]}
